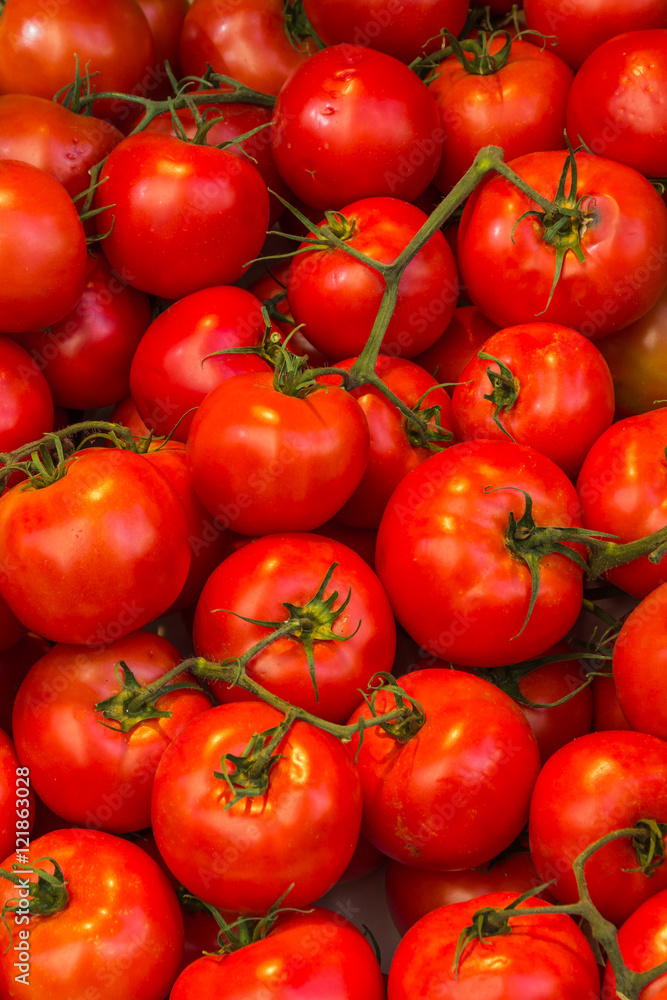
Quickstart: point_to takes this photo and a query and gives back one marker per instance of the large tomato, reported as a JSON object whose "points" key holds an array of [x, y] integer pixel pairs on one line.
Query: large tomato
{"points": [[42, 248], [453, 583], [179, 217], [117, 928], [351, 123], [82, 766], [96, 554], [337, 297], [26, 403], [257, 581], [457, 792], [300, 832], [264, 461], [639, 660], [509, 267]]}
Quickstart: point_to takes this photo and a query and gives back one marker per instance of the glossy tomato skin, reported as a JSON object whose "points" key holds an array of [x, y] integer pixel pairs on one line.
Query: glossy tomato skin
{"points": [[246, 41], [37, 50], [355, 123], [615, 106], [256, 581], [457, 793], [86, 356], [42, 248], [509, 271], [121, 932], [303, 830], [264, 462], [639, 663], [641, 940], [165, 18], [80, 767], [184, 216], [453, 584], [305, 955], [565, 393], [520, 107], [596, 784], [542, 958], [392, 453], [401, 30], [26, 403], [173, 368], [583, 26], [337, 297], [623, 490], [110, 539], [55, 139]]}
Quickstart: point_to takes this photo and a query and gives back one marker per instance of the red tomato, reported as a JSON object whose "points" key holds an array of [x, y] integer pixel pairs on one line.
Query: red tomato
{"points": [[325, 284], [110, 541], [263, 461], [457, 345], [248, 41], [26, 403], [607, 713], [172, 369], [637, 359], [302, 830], [257, 582], [639, 664], [519, 107], [304, 955], [272, 284], [509, 268], [623, 490], [393, 451], [642, 943], [453, 583], [17, 799], [86, 356], [42, 248], [615, 105], [455, 794], [179, 217], [120, 932], [354, 123], [112, 40], [165, 18], [582, 25], [558, 399], [596, 784], [544, 957], [55, 139], [405, 31], [412, 893], [81, 765]]}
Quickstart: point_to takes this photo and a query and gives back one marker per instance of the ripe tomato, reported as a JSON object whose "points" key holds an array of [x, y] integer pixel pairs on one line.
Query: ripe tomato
{"points": [[544, 957], [110, 540], [509, 268], [615, 105], [257, 580], [405, 31], [17, 799], [263, 461], [38, 48], [173, 368], [82, 766], [353, 123], [337, 297], [302, 830], [638, 663], [457, 345], [42, 248], [119, 933], [86, 355], [455, 794], [248, 41], [641, 940], [26, 403], [623, 490], [558, 399], [454, 585], [519, 107], [179, 217], [596, 784], [303, 955], [165, 18]]}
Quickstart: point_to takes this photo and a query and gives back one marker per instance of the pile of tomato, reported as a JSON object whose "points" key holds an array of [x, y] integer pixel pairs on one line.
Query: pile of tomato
{"points": [[333, 436]]}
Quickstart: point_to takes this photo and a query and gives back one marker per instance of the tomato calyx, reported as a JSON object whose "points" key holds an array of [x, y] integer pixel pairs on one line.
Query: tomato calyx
{"points": [[298, 28], [243, 931], [411, 715], [648, 844], [133, 703], [504, 389], [43, 898], [482, 62], [250, 775]]}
